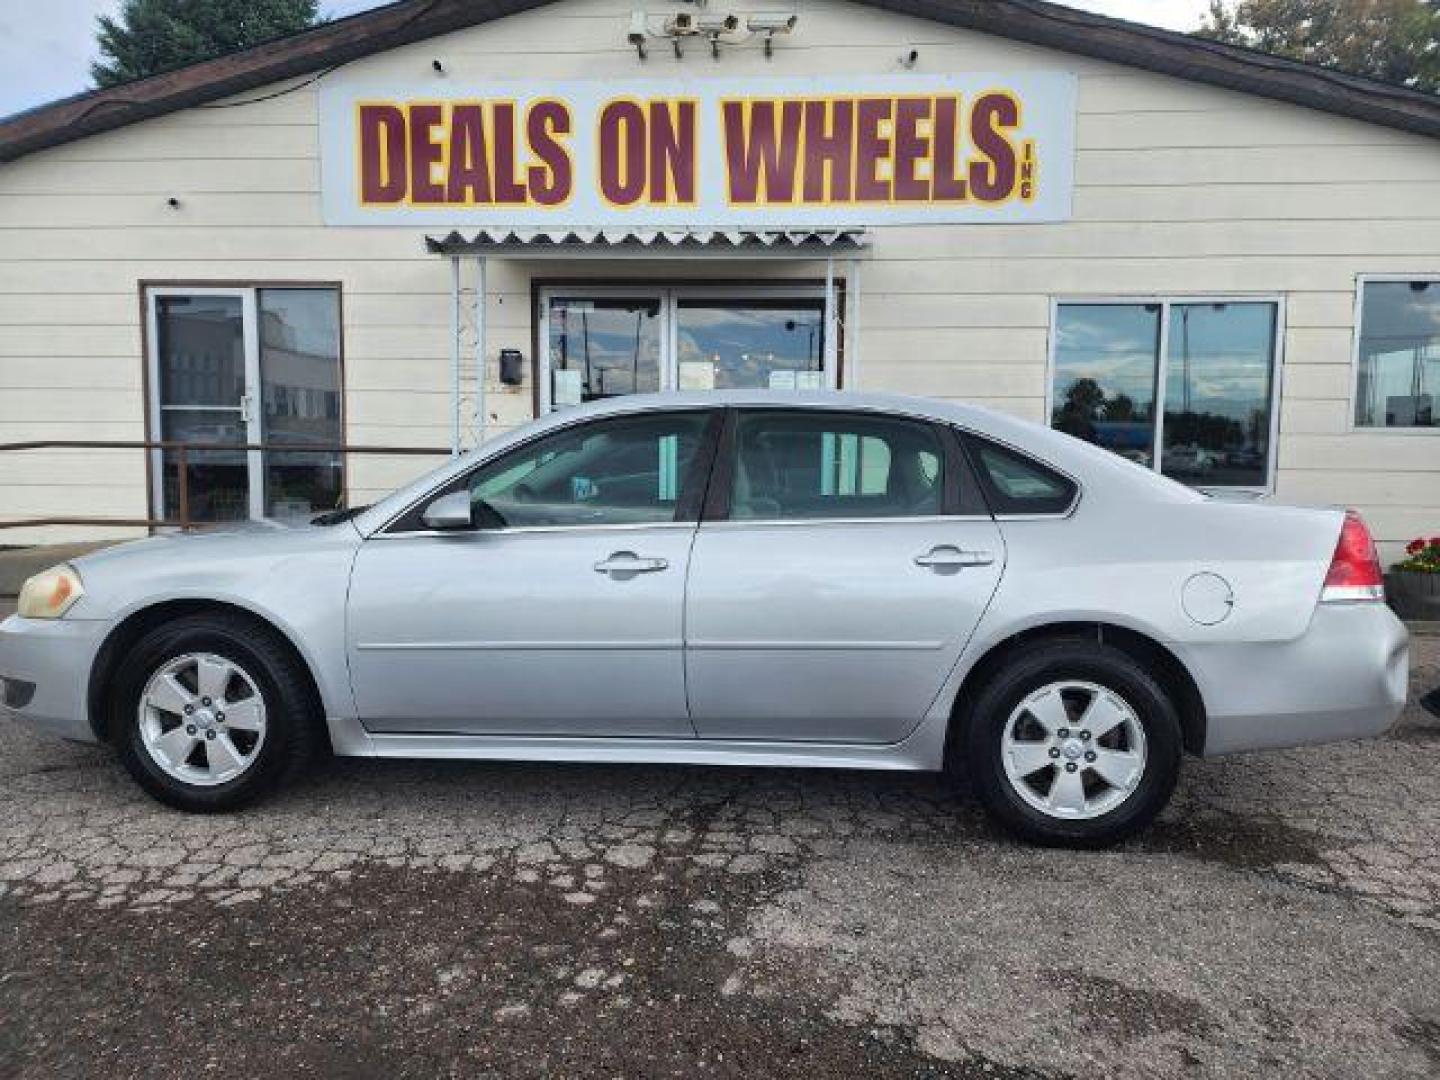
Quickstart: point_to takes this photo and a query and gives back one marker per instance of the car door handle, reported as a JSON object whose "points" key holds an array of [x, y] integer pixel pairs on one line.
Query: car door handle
{"points": [[627, 562], [945, 557]]}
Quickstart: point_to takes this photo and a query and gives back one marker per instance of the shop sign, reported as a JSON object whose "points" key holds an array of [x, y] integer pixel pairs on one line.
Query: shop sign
{"points": [[704, 153]]}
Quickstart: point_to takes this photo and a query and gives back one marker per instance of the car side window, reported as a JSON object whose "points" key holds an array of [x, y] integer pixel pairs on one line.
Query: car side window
{"points": [[792, 465], [620, 471], [1017, 484]]}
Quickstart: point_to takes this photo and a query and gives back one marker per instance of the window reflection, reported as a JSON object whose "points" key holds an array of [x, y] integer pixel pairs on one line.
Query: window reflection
{"points": [[1105, 359], [775, 344], [1217, 394], [792, 465], [603, 348], [300, 395], [1399, 370], [625, 471], [1218, 372], [200, 347]]}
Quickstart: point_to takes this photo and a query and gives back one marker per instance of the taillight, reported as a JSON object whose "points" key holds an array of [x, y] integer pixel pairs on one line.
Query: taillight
{"points": [[1354, 572]]}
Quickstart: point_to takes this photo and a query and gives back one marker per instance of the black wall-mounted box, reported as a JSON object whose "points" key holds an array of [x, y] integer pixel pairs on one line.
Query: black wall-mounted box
{"points": [[512, 367]]}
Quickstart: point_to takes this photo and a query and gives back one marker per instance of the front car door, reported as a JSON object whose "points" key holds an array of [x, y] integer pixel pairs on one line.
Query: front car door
{"points": [[562, 612], [844, 561]]}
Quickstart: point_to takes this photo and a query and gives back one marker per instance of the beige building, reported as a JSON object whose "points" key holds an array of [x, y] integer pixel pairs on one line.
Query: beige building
{"points": [[1220, 265]]}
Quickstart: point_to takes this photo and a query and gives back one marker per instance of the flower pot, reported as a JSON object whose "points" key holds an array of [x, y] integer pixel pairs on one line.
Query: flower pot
{"points": [[1414, 595]]}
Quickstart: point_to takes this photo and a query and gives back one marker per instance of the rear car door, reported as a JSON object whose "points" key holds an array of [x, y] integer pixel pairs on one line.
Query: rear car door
{"points": [[843, 563], [561, 612]]}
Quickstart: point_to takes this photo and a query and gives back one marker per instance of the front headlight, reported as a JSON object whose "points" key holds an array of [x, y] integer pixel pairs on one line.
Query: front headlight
{"points": [[50, 594]]}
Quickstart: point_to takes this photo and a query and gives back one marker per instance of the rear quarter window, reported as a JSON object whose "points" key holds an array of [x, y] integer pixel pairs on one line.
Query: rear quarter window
{"points": [[1015, 483]]}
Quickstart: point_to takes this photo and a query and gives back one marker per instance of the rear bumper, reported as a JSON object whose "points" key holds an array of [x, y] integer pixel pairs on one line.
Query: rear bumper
{"points": [[45, 673], [1345, 678]]}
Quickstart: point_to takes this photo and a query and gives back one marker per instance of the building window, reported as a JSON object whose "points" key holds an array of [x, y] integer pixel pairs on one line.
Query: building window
{"points": [[1183, 387], [232, 366], [600, 342], [1398, 355]]}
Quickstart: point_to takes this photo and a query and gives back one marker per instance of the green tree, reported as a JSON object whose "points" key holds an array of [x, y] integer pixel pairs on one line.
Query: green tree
{"points": [[1394, 40], [150, 36]]}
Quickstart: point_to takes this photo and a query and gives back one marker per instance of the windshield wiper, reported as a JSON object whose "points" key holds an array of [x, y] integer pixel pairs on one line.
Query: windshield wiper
{"points": [[335, 517]]}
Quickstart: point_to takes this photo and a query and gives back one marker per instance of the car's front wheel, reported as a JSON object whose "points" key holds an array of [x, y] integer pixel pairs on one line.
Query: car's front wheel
{"points": [[1073, 743], [210, 711]]}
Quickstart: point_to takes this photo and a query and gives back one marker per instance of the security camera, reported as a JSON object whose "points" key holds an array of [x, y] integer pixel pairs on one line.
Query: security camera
{"points": [[712, 26], [773, 23], [639, 31], [678, 26], [770, 25], [718, 24]]}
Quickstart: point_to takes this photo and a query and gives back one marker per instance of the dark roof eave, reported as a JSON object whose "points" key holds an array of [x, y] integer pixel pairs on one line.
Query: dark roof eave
{"points": [[1182, 56], [305, 53], [1032, 21]]}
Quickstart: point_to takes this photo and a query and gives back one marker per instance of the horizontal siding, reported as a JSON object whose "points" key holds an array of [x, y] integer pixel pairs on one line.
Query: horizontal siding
{"points": [[1181, 189], [1376, 452], [41, 370], [1332, 346], [1359, 487], [1310, 382], [1416, 237], [67, 340], [1323, 417], [74, 407]]}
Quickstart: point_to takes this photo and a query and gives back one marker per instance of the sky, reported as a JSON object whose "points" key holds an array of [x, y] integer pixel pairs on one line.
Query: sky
{"points": [[46, 46]]}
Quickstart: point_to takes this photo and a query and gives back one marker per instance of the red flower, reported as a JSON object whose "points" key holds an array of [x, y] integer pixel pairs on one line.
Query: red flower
{"points": [[1435, 541], [1415, 546]]}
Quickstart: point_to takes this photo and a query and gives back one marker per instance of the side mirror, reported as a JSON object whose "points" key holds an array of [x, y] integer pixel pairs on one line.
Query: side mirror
{"points": [[449, 512]]}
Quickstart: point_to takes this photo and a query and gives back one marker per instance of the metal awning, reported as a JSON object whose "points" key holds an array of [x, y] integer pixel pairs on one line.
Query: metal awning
{"points": [[655, 243]]}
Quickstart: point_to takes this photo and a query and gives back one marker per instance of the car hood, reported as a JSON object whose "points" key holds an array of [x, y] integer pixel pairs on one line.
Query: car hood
{"points": [[210, 541]]}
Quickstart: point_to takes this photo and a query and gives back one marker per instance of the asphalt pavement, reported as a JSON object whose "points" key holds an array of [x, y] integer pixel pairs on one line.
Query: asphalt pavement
{"points": [[387, 919]]}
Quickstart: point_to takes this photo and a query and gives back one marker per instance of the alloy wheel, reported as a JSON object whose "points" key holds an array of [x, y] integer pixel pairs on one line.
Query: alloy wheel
{"points": [[1073, 750], [202, 719]]}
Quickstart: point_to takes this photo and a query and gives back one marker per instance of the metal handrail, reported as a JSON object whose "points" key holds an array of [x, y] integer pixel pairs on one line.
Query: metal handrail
{"points": [[182, 464]]}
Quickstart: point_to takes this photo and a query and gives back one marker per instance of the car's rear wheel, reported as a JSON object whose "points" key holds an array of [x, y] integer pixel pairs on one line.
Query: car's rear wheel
{"points": [[211, 711], [1073, 743]]}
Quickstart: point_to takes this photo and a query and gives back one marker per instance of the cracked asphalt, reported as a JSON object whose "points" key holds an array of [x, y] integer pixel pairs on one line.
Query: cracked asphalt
{"points": [[442, 919]]}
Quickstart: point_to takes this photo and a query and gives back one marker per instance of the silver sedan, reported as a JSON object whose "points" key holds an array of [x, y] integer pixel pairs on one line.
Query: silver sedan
{"points": [[845, 581]]}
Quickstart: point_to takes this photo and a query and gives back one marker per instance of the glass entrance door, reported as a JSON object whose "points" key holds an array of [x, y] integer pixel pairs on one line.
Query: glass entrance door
{"points": [[602, 342], [231, 367]]}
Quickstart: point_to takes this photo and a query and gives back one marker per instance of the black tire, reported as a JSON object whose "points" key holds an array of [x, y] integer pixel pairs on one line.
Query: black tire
{"points": [[1036, 666], [292, 727]]}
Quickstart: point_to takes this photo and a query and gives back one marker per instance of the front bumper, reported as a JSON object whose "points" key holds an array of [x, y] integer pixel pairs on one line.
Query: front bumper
{"points": [[1345, 678], [45, 665]]}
